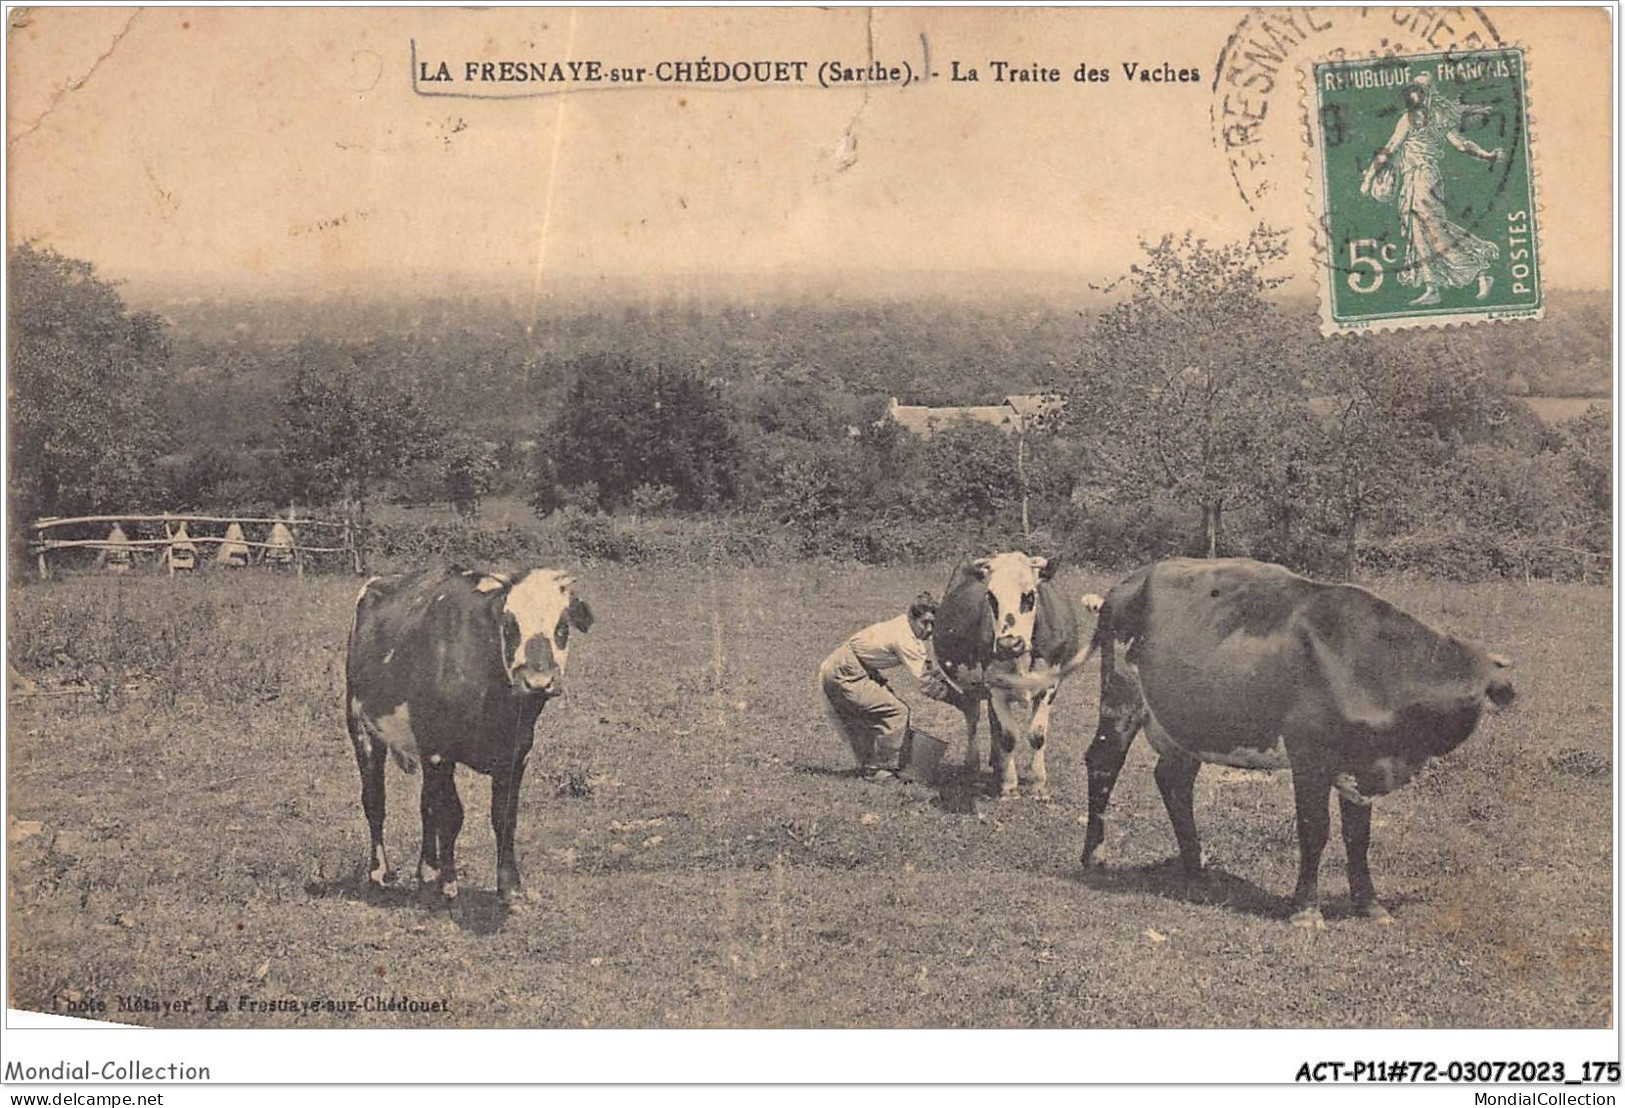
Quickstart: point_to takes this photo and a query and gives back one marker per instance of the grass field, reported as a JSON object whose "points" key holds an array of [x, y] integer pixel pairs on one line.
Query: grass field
{"points": [[700, 856]]}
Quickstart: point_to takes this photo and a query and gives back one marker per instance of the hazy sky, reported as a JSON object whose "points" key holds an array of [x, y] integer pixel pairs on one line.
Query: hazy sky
{"points": [[286, 148]]}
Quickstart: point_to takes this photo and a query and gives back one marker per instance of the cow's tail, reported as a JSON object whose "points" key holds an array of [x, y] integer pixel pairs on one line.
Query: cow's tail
{"points": [[1028, 682]]}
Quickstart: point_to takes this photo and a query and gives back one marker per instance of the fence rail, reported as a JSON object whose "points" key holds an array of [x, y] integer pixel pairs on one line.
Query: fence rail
{"points": [[296, 550], [103, 544], [64, 521]]}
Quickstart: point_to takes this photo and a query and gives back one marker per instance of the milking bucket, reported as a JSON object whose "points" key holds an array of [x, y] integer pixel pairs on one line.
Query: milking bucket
{"points": [[922, 755]]}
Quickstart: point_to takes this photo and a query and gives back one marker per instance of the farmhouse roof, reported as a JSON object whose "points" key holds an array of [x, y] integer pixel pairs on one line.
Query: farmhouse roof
{"points": [[1030, 404], [922, 420], [1007, 416]]}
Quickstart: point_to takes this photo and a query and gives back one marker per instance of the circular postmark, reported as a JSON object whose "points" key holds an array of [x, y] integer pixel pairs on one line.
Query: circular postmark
{"points": [[1256, 110], [1412, 124]]}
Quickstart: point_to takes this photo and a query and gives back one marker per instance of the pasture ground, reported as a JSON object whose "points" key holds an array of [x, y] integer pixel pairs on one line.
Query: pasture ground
{"points": [[699, 855]]}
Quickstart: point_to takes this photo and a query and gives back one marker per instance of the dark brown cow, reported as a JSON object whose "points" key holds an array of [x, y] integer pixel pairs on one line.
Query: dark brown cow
{"points": [[1006, 633], [448, 666], [1247, 664]]}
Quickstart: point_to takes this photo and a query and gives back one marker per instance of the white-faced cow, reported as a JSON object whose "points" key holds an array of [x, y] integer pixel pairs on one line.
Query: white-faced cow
{"points": [[448, 666], [1003, 619], [1245, 664]]}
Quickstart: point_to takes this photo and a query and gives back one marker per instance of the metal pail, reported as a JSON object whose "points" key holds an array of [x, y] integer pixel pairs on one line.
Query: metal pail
{"points": [[922, 755]]}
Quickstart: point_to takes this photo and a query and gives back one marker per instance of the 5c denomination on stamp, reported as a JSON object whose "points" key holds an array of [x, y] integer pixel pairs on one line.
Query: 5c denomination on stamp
{"points": [[1422, 190]]}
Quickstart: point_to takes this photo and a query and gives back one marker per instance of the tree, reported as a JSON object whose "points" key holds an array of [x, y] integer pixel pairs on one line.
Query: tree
{"points": [[1398, 408], [468, 470], [84, 433], [970, 472], [346, 430], [1189, 383], [627, 423]]}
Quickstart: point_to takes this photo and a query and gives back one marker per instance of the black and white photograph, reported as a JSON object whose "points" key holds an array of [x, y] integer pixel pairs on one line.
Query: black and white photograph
{"points": [[868, 519]]}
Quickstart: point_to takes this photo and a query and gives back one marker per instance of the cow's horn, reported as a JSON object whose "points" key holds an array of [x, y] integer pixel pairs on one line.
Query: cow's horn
{"points": [[1501, 660]]}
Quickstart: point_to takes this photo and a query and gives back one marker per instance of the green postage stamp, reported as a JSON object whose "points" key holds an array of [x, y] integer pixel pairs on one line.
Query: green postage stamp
{"points": [[1423, 190]]}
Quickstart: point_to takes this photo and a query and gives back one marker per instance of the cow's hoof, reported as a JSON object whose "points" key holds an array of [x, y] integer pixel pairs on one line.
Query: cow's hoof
{"points": [[1309, 919], [451, 899], [1377, 914], [1040, 793]]}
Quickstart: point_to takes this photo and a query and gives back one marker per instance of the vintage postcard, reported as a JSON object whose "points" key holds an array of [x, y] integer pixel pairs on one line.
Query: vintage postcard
{"points": [[1095, 519]]}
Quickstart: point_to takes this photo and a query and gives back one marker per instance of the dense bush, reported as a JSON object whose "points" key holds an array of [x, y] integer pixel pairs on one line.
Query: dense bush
{"points": [[398, 545], [627, 424]]}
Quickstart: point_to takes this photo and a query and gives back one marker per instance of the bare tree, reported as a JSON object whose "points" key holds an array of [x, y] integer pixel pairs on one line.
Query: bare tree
{"points": [[1189, 383]]}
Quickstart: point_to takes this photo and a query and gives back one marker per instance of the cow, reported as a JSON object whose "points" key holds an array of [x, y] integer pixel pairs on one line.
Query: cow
{"points": [[450, 666], [1003, 619], [1242, 663]]}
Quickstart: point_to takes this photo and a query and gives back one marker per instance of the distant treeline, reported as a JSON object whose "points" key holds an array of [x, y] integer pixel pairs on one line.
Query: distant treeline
{"points": [[1204, 413]]}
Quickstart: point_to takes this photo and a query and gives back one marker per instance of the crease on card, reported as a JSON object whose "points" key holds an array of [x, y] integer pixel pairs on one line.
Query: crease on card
{"points": [[72, 84], [551, 189], [846, 149]]}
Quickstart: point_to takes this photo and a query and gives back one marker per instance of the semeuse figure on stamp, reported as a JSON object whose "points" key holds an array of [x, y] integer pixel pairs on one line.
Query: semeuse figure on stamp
{"points": [[859, 698], [1438, 251]]}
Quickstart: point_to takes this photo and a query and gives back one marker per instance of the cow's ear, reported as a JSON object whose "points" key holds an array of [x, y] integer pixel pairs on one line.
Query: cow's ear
{"points": [[1046, 567], [982, 567], [490, 582], [580, 614]]}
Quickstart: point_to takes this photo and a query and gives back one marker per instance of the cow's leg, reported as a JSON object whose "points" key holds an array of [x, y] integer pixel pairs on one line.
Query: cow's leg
{"points": [[504, 819], [1002, 744], [1176, 780], [1035, 737], [448, 824], [428, 809], [1311, 789], [1356, 822], [369, 757], [1119, 723], [973, 718]]}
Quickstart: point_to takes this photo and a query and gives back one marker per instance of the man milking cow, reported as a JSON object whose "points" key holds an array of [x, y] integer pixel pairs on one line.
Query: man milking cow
{"points": [[858, 695]]}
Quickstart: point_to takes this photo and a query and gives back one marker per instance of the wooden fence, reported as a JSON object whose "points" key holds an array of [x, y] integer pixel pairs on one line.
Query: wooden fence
{"points": [[342, 543]]}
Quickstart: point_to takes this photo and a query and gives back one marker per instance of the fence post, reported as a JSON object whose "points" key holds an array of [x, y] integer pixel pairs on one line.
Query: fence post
{"points": [[44, 569], [298, 558], [350, 541]]}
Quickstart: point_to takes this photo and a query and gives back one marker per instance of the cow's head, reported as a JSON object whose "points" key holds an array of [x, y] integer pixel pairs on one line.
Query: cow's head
{"points": [[1434, 726], [1012, 599], [537, 614]]}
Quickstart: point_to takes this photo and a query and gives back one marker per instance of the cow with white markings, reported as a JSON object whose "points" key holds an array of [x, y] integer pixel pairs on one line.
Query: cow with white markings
{"points": [[449, 667], [1007, 634]]}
